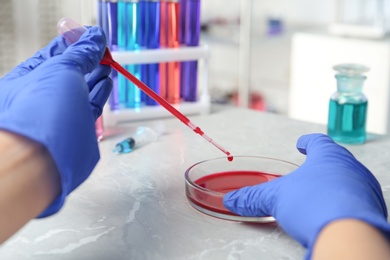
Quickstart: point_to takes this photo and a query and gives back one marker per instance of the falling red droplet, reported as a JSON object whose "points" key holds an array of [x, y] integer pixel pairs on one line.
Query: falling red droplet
{"points": [[230, 157]]}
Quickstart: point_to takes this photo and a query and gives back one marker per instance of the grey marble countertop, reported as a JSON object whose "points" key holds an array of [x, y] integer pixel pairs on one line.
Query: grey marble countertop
{"points": [[133, 206]]}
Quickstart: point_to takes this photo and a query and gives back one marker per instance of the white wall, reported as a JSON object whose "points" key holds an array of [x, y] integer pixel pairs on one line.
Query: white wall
{"points": [[295, 11], [34, 24], [7, 37], [270, 59]]}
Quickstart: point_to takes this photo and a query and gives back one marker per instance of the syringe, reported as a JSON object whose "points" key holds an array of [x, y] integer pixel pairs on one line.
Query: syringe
{"points": [[72, 31], [142, 136]]}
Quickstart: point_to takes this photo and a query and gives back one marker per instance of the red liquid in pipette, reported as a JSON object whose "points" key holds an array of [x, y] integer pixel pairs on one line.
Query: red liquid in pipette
{"points": [[108, 60]]}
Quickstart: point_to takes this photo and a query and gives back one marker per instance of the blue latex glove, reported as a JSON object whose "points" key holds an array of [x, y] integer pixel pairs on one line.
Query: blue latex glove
{"points": [[331, 184], [55, 98]]}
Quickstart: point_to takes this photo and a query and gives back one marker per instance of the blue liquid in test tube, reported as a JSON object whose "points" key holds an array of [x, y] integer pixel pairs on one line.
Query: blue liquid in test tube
{"points": [[143, 34], [152, 78], [133, 93], [129, 40]]}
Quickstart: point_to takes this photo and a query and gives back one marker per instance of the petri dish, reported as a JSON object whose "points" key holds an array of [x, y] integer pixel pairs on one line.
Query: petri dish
{"points": [[207, 182]]}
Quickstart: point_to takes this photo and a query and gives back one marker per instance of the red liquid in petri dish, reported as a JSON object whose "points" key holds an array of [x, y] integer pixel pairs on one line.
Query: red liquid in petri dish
{"points": [[224, 182]]}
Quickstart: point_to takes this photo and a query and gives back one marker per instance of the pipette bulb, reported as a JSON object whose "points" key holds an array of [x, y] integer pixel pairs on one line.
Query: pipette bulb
{"points": [[72, 31]]}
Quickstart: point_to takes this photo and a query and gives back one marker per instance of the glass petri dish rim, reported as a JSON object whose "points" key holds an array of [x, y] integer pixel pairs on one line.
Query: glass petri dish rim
{"points": [[263, 219], [188, 179], [230, 217]]}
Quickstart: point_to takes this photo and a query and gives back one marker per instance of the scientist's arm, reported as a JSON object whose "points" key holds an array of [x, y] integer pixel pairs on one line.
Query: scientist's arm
{"points": [[53, 99], [321, 202], [351, 239], [29, 182]]}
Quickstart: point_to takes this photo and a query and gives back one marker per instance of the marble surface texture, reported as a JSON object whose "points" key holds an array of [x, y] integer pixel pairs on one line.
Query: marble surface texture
{"points": [[133, 206]]}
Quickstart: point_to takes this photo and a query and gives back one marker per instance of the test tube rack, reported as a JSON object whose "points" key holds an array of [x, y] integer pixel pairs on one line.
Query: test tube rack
{"points": [[183, 53]]}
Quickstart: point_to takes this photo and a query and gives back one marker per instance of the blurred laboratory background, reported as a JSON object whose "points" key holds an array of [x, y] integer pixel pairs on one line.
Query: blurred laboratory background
{"points": [[274, 56]]}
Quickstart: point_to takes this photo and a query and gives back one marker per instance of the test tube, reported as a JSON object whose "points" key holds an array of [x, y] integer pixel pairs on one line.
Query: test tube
{"points": [[182, 27], [183, 4], [99, 127], [152, 78], [129, 40], [102, 14], [173, 67], [163, 44], [102, 22], [189, 73], [121, 33], [112, 38], [143, 30], [133, 93]]}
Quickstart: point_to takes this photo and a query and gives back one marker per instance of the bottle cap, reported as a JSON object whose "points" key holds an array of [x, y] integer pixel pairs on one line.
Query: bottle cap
{"points": [[351, 69]]}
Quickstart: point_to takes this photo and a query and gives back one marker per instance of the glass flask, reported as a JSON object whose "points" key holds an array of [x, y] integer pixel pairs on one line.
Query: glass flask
{"points": [[348, 105]]}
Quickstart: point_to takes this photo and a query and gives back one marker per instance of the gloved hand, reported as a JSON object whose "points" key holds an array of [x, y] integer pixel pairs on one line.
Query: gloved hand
{"points": [[55, 98], [330, 185]]}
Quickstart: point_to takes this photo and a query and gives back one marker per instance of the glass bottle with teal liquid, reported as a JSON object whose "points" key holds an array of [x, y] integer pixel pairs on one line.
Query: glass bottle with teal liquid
{"points": [[348, 106]]}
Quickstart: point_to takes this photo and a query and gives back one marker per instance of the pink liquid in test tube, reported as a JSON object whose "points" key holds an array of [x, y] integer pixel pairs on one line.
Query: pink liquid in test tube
{"points": [[99, 128]]}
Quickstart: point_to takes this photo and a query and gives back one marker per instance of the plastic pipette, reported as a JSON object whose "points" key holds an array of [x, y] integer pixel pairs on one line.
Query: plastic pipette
{"points": [[72, 31]]}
